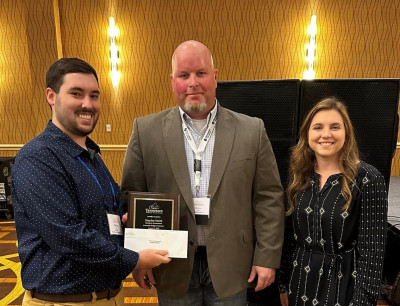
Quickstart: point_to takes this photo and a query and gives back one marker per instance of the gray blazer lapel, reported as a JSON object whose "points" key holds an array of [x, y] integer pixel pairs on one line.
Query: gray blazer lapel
{"points": [[224, 137], [173, 141]]}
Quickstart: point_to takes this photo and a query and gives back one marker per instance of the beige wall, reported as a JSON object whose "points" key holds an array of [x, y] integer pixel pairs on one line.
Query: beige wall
{"points": [[250, 40]]}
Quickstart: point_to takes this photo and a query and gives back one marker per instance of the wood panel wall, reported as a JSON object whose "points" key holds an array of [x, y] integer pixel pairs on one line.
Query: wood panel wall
{"points": [[249, 40]]}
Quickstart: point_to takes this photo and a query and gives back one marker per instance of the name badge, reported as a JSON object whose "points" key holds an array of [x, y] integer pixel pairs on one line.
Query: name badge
{"points": [[114, 223], [201, 210]]}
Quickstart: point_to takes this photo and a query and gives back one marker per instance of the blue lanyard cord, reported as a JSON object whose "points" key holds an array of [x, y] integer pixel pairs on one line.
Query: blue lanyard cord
{"points": [[111, 185], [98, 183]]}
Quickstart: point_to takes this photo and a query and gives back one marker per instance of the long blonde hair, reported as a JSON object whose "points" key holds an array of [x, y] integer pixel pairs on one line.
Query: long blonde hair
{"points": [[302, 159]]}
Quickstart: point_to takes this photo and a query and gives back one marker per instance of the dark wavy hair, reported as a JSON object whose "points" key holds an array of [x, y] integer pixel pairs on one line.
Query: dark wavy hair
{"points": [[57, 71]]}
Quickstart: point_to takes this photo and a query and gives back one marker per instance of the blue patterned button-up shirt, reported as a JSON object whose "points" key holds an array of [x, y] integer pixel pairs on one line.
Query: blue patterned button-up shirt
{"points": [[65, 244]]}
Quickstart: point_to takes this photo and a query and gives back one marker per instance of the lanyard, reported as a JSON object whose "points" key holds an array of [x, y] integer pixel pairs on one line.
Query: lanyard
{"points": [[98, 183], [198, 151]]}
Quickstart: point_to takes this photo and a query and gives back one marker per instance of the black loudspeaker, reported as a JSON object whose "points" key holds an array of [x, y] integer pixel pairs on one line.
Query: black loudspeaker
{"points": [[276, 103], [273, 101], [373, 110]]}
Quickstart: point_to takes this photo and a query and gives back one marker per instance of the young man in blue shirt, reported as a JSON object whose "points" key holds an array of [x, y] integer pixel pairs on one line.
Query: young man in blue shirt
{"points": [[67, 205]]}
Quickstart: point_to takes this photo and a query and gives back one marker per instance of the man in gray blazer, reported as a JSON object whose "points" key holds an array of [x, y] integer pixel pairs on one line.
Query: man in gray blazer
{"points": [[218, 160]]}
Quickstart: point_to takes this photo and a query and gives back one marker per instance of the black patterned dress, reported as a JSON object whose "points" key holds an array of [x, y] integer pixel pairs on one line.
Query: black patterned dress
{"points": [[337, 256]]}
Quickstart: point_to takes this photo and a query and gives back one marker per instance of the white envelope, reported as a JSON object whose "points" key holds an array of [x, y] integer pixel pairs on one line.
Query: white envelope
{"points": [[175, 242]]}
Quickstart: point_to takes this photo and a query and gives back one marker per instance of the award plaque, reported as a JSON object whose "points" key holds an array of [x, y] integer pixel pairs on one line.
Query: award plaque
{"points": [[151, 210]]}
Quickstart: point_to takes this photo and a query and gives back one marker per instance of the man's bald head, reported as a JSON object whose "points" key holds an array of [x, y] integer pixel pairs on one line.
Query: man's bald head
{"points": [[188, 45]]}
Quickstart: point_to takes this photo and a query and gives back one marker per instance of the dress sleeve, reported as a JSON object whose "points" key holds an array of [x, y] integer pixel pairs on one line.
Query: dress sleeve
{"points": [[371, 239]]}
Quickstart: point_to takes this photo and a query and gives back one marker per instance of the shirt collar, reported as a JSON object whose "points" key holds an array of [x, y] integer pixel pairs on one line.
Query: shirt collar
{"points": [[185, 116], [67, 143]]}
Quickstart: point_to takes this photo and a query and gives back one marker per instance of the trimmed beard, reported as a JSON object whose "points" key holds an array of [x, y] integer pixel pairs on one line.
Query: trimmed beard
{"points": [[195, 108], [69, 124]]}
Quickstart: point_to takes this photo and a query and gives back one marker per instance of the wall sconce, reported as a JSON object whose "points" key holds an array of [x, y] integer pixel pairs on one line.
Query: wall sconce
{"points": [[114, 53], [309, 74]]}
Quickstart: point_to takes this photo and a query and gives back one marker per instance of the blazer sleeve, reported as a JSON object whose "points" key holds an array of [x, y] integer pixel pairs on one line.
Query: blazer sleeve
{"points": [[289, 246], [133, 174], [268, 208]]}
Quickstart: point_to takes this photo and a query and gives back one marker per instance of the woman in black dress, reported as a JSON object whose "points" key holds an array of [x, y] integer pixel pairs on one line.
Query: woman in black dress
{"points": [[337, 216]]}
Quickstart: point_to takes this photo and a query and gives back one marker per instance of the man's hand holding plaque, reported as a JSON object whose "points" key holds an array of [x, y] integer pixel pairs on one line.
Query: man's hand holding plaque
{"points": [[153, 223]]}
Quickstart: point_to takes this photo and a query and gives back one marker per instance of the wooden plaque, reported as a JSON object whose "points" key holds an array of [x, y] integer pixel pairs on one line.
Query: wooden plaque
{"points": [[152, 210]]}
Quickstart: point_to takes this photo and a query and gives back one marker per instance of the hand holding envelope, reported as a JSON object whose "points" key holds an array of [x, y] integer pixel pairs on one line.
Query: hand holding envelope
{"points": [[175, 242], [150, 258]]}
